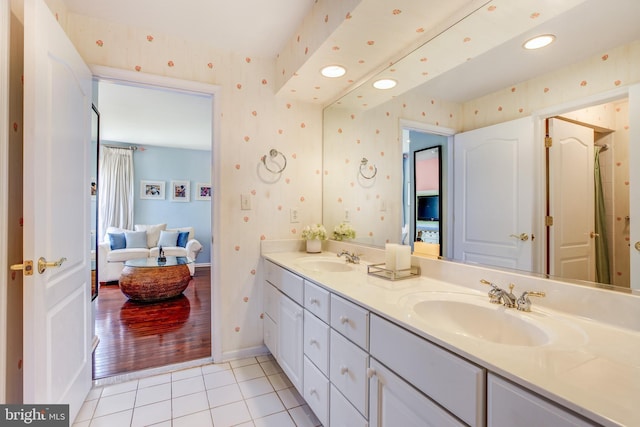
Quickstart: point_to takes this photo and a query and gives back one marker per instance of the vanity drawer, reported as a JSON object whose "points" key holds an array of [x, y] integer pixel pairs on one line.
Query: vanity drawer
{"points": [[287, 282], [350, 320], [316, 300], [316, 341], [271, 301], [454, 383], [316, 391], [343, 414], [348, 371], [509, 405]]}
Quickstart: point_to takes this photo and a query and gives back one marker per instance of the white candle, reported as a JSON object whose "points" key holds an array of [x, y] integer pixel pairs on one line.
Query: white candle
{"points": [[403, 257], [390, 251]]}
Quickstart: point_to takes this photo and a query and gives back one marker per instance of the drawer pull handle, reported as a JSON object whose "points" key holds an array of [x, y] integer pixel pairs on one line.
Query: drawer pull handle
{"points": [[371, 372], [344, 319], [344, 370], [312, 341], [313, 391], [313, 300]]}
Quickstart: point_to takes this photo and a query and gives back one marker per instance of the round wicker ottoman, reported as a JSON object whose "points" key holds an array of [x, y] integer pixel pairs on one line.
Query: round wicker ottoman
{"points": [[148, 280]]}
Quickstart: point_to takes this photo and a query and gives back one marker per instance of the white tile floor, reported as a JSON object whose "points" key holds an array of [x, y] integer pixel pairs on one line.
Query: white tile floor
{"points": [[248, 392]]}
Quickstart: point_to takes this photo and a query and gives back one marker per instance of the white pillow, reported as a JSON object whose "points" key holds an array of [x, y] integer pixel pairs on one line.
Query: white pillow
{"points": [[153, 233], [189, 229], [168, 239]]}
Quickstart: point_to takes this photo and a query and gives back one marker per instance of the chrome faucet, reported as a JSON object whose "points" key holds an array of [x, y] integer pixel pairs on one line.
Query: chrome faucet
{"points": [[500, 296], [508, 299], [524, 303], [352, 258]]}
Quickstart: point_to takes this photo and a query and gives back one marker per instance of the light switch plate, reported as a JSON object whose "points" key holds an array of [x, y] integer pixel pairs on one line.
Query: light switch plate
{"points": [[294, 215], [245, 202]]}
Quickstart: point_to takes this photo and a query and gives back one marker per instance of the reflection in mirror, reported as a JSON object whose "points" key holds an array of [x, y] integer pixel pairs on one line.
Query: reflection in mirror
{"points": [[95, 142], [551, 82]]}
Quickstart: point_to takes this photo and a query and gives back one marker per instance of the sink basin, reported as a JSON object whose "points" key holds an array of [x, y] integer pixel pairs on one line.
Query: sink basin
{"points": [[325, 264], [473, 316]]}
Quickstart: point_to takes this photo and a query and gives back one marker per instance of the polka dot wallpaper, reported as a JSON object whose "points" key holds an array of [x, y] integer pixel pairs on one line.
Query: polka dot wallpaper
{"points": [[252, 120]]}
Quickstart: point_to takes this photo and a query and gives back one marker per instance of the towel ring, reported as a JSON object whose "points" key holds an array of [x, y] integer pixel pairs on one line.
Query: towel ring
{"points": [[273, 153], [363, 164]]}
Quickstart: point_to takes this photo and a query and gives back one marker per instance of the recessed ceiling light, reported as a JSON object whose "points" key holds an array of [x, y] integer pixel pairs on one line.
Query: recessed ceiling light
{"points": [[539, 41], [384, 83], [333, 71]]}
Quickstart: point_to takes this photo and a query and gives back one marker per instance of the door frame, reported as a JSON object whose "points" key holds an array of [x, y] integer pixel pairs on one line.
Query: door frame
{"points": [[127, 77], [5, 18], [539, 117]]}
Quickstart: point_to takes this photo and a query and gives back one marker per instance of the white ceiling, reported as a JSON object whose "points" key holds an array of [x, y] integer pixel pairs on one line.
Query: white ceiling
{"points": [[154, 116], [258, 28]]}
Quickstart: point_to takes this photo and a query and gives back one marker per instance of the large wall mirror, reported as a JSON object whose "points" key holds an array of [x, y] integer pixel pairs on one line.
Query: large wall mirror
{"points": [[497, 83]]}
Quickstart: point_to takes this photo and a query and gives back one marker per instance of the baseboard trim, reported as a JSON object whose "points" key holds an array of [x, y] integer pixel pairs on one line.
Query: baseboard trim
{"points": [[244, 353]]}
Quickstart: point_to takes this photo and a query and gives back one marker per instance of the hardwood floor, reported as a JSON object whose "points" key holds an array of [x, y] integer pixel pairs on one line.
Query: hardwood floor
{"points": [[135, 336]]}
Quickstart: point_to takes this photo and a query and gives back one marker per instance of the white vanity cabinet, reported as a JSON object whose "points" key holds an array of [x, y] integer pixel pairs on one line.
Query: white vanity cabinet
{"points": [[511, 405], [290, 344], [449, 380], [316, 350], [284, 321], [396, 403]]}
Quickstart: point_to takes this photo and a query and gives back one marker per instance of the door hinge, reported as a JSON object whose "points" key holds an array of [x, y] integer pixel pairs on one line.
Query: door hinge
{"points": [[548, 221], [548, 142]]}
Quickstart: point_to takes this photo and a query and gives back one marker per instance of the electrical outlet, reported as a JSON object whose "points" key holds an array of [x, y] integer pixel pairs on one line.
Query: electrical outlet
{"points": [[347, 215], [245, 202], [383, 206], [294, 215]]}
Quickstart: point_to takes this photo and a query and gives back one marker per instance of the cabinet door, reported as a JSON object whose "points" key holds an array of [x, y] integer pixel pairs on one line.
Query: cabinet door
{"points": [[290, 344], [393, 403], [271, 336], [510, 405]]}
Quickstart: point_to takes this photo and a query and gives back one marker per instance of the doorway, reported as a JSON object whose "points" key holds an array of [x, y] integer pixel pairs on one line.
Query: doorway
{"points": [[604, 239], [197, 299]]}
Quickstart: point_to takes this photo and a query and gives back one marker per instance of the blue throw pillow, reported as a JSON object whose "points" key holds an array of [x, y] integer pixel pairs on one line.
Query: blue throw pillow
{"points": [[183, 238], [136, 239], [117, 241]]}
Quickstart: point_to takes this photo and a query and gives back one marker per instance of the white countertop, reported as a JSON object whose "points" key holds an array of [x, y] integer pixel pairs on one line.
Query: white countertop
{"points": [[592, 368]]}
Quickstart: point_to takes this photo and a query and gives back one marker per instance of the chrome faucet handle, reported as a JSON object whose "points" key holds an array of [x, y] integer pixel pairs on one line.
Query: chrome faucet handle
{"points": [[495, 294], [524, 303]]}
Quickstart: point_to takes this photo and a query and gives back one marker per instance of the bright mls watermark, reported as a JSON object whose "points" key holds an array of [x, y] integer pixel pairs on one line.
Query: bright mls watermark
{"points": [[34, 415]]}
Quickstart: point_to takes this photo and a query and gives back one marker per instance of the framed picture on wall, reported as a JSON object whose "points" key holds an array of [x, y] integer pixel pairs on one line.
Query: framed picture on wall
{"points": [[152, 190], [203, 191], [180, 191]]}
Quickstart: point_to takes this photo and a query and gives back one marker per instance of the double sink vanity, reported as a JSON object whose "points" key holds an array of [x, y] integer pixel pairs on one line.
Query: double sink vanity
{"points": [[432, 350]]}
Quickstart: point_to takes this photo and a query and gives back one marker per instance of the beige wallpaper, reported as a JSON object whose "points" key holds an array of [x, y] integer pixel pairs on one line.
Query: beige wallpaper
{"points": [[252, 120]]}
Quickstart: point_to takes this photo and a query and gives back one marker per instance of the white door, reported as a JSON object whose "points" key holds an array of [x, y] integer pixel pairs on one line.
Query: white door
{"points": [[493, 195], [57, 302], [634, 187], [571, 237]]}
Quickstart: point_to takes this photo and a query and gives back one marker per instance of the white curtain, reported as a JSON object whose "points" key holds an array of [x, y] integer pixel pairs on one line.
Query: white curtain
{"points": [[115, 189]]}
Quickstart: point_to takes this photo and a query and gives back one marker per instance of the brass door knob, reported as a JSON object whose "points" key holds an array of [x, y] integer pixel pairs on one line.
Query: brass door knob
{"points": [[594, 234], [637, 246], [522, 236], [43, 264]]}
